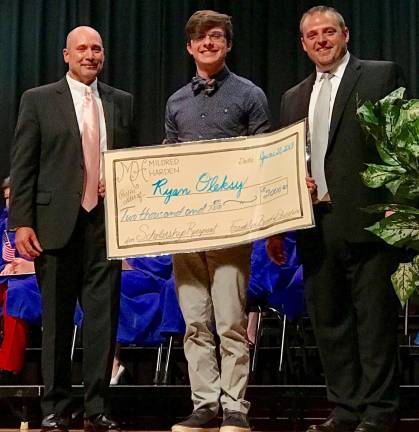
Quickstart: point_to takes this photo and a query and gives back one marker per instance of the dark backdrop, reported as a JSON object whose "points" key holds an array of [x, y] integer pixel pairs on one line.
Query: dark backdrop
{"points": [[145, 47]]}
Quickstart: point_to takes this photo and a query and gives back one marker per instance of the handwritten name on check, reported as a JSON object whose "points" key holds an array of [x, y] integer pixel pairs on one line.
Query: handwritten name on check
{"points": [[205, 195]]}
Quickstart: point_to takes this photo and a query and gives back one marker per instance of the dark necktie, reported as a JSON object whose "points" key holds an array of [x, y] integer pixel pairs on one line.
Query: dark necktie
{"points": [[208, 86]]}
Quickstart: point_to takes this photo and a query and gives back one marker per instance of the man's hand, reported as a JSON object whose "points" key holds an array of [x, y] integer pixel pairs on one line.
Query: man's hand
{"points": [[21, 266], [101, 189], [275, 249], [27, 243], [8, 270], [312, 188], [126, 266], [18, 266]]}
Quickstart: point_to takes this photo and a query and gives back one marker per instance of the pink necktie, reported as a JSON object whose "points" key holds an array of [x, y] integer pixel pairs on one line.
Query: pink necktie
{"points": [[90, 142]]}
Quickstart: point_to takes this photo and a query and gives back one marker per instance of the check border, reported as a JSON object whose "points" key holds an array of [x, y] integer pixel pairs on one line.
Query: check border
{"points": [[296, 132]]}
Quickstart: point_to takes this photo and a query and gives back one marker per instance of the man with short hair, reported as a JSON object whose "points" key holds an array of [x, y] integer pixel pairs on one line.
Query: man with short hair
{"points": [[347, 270], [57, 211], [212, 285]]}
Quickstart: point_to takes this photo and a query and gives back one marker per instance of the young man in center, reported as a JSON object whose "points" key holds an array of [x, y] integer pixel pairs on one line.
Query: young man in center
{"points": [[212, 285]]}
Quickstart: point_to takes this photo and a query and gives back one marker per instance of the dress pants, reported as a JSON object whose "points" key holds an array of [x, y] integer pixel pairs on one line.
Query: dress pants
{"points": [[354, 311], [80, 271], [15, 339], [212, 289]]}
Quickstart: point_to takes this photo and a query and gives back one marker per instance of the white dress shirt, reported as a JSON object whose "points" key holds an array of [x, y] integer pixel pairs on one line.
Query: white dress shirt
{"points": [[78, 90], [335, 81]]}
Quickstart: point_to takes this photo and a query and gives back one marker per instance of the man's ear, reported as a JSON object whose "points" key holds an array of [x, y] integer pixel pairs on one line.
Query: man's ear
{"points": [[65, 55], [189, 48], [346, 33], [303, 44]]}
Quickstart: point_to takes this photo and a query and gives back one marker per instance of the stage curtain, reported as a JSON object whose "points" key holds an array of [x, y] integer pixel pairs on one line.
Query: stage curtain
{"points": [[145, 47]]}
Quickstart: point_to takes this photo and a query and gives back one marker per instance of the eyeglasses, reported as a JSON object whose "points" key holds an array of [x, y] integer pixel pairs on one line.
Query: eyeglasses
{"points": [[213, 37]]}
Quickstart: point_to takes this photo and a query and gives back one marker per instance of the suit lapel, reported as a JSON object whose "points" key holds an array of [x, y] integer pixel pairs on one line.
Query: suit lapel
{"points": [[350, 77], [108, 110], [66, 105], [304, 95]]}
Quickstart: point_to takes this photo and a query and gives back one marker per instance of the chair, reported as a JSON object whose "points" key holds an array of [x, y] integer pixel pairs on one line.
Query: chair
{"points": [[276, 291], [150, 314], [162, 376]]}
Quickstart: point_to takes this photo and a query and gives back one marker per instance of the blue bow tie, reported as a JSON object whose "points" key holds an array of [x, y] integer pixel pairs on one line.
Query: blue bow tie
{"points": [[199, 84]]}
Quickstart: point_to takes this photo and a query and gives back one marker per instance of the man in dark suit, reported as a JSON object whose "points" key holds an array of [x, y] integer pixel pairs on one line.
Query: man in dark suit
{"points": [[57, 211], [346, 269]]}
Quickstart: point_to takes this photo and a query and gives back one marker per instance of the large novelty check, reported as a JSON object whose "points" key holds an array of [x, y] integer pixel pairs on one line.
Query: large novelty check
{"points": [[207, 195]]}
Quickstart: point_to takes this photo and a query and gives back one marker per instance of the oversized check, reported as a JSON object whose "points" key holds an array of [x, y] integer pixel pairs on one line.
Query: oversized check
{"points": [[207, 194]]}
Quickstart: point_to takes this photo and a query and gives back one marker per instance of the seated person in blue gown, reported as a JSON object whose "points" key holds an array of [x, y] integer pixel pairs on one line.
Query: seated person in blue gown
{"points": [[20, 298], [277, 285], [149, 311]]}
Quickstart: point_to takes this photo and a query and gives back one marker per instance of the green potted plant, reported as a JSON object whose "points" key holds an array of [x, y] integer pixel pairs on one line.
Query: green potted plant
{"points": [[393, 122]]}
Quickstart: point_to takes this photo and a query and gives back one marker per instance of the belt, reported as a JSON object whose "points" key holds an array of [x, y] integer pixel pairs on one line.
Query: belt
{"points": [[323, 206]]}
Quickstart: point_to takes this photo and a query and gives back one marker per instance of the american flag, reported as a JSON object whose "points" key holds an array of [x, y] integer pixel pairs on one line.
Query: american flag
{"points": [[8, 251]]}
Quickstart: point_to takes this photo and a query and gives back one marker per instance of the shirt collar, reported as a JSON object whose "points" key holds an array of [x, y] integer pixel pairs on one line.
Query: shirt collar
{"points": [[220, 76], [79, 87], [339, 70]]}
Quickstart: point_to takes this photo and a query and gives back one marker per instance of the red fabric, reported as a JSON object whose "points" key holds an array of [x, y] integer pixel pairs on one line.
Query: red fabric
{"points": [[15, 339]]}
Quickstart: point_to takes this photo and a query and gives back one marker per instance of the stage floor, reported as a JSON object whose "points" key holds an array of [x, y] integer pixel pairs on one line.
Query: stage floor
{"points": [[413, 427], [406, 425]]}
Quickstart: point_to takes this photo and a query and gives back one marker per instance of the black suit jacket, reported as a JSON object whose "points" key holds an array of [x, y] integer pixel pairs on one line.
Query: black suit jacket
{"points": [[348, 148], [47, 166]]}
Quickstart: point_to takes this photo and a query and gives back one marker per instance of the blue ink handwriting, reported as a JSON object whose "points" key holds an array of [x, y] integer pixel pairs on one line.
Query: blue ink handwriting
{"points": [[168, 193], [208, 183], [278, 151]]}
